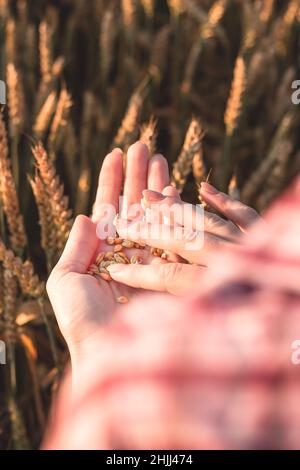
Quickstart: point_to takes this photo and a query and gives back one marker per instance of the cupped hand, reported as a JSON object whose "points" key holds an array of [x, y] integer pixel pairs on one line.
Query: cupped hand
{"points": [[189, 233], [81, 302]]}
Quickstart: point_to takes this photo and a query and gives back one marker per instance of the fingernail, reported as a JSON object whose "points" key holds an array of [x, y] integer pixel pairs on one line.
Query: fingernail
{"points": [[152, 196], [116, 268], [208, 188]]}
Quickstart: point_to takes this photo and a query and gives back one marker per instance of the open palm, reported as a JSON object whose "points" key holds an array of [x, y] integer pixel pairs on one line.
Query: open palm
{"points": [[81, 303]]}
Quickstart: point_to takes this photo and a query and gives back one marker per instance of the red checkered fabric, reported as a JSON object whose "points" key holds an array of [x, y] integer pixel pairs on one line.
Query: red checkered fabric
{"points": [[216, 369]]}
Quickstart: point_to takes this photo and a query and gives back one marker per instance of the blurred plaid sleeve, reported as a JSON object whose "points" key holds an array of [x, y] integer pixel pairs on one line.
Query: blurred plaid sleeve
{"points": [[213, 370]]}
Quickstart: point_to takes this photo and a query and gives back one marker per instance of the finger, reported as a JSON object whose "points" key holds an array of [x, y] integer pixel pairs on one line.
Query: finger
{"points": [[240, 214], [174, 278], [110, 183], [158, 173], [77, 255], [176, 211], [136, 174], [192, 245], [171, 191], [81, 246]]}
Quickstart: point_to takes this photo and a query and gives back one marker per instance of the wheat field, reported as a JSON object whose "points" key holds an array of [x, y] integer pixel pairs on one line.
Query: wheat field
{"points": [[208, 83]]}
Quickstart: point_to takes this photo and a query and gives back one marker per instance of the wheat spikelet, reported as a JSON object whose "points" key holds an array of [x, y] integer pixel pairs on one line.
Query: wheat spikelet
{"points": [[46, 88], [285, 27], [45, 49], [266, 11], [24, 272], [129, 13], [233, 189], [60, 119], [15, 100], [128, 127], [148, 135], [107, 39], [192, 145], [3, 8], [214, 17], [11, 208], [61, 214], [8, 196], [48, 232], [176, 7], [199, 168], [9, 301], [44, 116], [235, 101], [10, 40], [149, 6]]}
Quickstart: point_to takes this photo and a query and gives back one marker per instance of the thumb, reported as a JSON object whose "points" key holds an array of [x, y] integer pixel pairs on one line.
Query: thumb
{"points": [[175, 278]]}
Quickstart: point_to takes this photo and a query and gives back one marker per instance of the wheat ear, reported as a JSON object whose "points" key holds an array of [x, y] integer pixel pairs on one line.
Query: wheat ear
{"points": [[192, 145], [148, 135], [61, 215], [9, 197]]}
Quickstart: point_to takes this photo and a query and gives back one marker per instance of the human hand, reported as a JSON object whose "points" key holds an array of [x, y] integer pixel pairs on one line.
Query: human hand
{"points": [[82, 304], [210, 232]]}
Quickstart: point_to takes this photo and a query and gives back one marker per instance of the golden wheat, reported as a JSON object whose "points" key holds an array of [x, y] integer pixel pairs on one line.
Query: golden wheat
{"points": [[192, 146]]}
